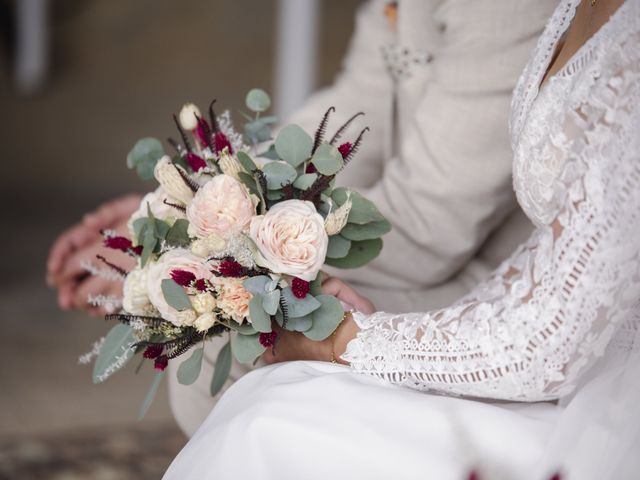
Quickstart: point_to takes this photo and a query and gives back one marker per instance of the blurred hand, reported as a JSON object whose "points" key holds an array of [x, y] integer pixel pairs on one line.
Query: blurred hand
{"points": [[82, 242], [347, 295]]}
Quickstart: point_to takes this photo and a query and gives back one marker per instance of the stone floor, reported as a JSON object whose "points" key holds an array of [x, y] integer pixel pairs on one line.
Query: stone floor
{"points": [[120, 69]]}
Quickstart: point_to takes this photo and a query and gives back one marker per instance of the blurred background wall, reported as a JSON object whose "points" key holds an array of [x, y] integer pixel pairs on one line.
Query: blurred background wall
{"points": [[113, 71]]}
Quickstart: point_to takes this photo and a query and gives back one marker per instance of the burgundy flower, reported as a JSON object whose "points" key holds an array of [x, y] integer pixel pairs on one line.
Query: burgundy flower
{"points": [[300, 287], [231, 268], [345, 149], [556, 476], [153, 351], [473, 475], [267, 339], [118, 243], [195, 162], [203, 132], [161, 362], [311, 168], [137, 250], [201, 285], [182, 277], [220, 142]]}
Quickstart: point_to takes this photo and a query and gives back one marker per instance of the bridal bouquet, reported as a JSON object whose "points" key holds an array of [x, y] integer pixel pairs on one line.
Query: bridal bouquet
{"points": [[233, 240]]}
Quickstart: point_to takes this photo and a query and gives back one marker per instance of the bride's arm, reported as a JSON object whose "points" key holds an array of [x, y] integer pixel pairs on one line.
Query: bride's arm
{"points": [[550, 310]]}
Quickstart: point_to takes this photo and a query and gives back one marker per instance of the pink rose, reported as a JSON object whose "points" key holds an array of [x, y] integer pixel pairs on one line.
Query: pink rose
{"points": [[221, 206], [178, 259], [291, 239]]}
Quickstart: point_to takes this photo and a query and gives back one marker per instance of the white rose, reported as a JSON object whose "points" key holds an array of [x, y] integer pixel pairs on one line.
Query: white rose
{"points": [[203, 303], [159, 209], [205, 321], [187, 116], [206, 247], [221, 207], [167, 175], [291, 239], [178, 259], [134, 293]]}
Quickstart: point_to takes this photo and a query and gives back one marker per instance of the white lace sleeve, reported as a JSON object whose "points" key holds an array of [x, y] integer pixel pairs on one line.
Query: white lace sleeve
{"points": [[550, 310]]}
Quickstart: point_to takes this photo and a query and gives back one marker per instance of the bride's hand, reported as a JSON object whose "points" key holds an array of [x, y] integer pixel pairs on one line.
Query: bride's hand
{"points": [[295, 346]]}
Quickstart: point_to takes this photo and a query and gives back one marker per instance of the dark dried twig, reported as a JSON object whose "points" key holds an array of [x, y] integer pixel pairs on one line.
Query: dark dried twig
{"points": [[190, 183], [183, 135], [343, 128], [213, 118], [175, 205], [113, 266], [319, 136], [355, 146]]}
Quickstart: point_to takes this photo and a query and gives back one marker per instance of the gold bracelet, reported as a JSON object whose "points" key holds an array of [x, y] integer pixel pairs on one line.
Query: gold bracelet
{"points": [[333, 336]]}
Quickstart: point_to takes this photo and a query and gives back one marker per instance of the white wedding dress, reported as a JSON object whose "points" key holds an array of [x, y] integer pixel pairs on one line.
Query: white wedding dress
{"points": [[546, 353]]}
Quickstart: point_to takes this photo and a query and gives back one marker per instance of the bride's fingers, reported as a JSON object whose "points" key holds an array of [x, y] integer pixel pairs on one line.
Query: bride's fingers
{"points": [[112, 213], [73, 239]]}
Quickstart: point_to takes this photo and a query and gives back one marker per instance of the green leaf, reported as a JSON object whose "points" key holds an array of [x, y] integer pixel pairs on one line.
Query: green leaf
{"points": [[327, 159], [260, 320], [270, 153], [246, 162], [278, 174], [258, 100], [177, 235], [300, 324], [161, 228], [246, 348], [175, 295], [299, 307], [144, 155], [368, 231], [270, 302], [256, 285], [244, 329], [316, 285], [151, 394], [274, 195], [338, 247], [149, 240], [222, 369], [138, 227], [116, 351], [305, 181], [250, 182], [359, 254], [362, 210], [325, 319], [293, 145], [257, 131], [189, 370]]}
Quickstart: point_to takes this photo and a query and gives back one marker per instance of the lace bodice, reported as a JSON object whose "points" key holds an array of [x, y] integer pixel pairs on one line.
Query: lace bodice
{"points": [[548, 312]]}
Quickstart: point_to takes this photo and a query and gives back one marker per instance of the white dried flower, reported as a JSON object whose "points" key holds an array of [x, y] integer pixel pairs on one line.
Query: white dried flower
{"points": [[203, 303], [205, 321], [337, 219], [188, 116], [169, 178], [230, 165], [212, 245]]}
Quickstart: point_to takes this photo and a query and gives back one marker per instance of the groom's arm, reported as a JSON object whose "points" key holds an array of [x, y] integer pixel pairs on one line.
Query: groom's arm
{"points": [[451, 186]]}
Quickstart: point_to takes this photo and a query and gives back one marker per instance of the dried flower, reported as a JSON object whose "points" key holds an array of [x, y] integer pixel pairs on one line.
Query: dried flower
{"points": [[205, 321], [220, 142], [267, 339], [231, 268], [196, 162], [203, 303], [201, 285], [118, 243], [345, 149], [300, 288], [337, 219], [171, 181], [188, 116], [161, 363], [230, 165], [182, 277], [153, 351]]}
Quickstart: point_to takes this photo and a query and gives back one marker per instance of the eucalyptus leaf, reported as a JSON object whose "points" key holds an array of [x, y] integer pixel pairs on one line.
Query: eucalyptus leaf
{"points": [[274, 195], [359, 254], [138, 226], [257, 131], [116, 351], [189, 370], [362, 210], [244, 329], [260, 319], [246, 348], [175, 295], [316, 285], [368, 231], [270, 302], [338, 246], [258, 100], [305, 181], [270, 153], [325, 319], [222, 369], [144, 155], [246, 162], [177, 235], [278, 174], [300, 324], [249, 182], [256, 285], [327, 159], [161, 228], [151, 394], [299, 307], [293, 145]]}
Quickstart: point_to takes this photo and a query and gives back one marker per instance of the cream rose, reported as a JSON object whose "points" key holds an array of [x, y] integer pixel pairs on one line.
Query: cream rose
{"points": [[291, 239], [221, 207], [204, 322], [232, 298], [178, 259], [159, 209], [134, 293]]}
